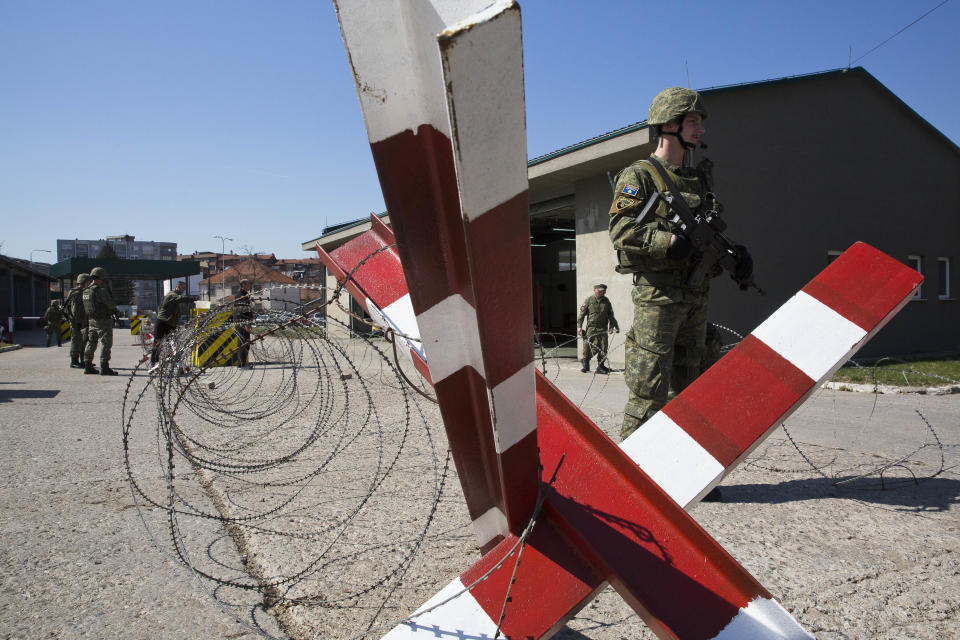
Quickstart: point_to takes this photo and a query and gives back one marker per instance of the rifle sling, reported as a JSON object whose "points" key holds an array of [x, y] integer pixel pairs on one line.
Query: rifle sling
{"points": [[681, 205]]}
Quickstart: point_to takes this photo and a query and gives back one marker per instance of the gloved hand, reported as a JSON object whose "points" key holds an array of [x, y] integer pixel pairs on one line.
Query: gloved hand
{"points": [[679, 248], [744, 266]]}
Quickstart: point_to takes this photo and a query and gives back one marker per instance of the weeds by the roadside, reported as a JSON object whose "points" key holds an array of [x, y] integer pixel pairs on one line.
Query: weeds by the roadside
{"points": [[902, 373]]}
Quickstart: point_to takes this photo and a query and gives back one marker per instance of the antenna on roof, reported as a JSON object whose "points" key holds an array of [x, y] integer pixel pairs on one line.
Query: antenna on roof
{"points": [[849, 56], [687, 68]]}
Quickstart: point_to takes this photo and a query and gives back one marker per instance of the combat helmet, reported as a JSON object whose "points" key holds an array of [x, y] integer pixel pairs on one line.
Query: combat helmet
{"points": [[83, 277], [672, 104], [98, 272]]}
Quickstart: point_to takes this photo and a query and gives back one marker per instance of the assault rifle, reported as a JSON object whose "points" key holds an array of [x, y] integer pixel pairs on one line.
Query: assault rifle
{"points": [[705, 233], [65, 308]]}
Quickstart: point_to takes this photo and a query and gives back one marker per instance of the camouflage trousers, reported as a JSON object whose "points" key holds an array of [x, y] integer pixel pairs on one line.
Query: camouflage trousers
{"points": [[78, 341], [595, 344], [664, 350], [100, 331], [52, 330]]}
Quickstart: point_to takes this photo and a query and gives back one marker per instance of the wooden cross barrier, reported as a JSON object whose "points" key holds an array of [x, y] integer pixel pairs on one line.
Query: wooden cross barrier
{"points": [[443, 105]]}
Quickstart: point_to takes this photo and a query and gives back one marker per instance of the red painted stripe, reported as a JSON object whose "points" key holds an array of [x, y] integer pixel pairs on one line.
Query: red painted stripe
{"points": [[552, 582], [380, 276], [500, 252], [421, 366], [518, 475], [863, 285], [420, 189], [662, 563], [471, 444], [419, 184], [380, 229], [418, 179], [735, 402]]}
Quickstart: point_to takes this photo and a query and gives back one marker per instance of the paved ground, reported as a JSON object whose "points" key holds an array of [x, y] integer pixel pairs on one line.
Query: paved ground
{"points": [[860, 559]]}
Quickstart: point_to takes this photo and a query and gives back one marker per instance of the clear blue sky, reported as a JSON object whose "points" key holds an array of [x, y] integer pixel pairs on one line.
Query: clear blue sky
{"points": [[180, 120]]}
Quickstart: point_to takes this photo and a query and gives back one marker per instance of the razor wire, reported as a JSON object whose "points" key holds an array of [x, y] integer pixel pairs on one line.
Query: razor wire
{"points": [[315, 488], [308, 452]]}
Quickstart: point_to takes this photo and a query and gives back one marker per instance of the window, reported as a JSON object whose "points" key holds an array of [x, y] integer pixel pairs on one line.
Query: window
{"points": [[83, 250], [943, 278], [568, 259], [916, 263]]}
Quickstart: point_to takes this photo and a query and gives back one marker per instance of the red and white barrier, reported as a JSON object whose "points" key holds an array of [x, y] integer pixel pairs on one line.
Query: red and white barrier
{"points": [[741, 399], [440, 99], [7, 334], [695, 440], [428, 92]]}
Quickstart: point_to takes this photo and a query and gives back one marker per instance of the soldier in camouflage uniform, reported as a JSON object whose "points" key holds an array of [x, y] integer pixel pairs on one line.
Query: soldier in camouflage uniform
{"points": [[99, 307], [78, 321], [598, 312], [665, 344], [168, 317], [53, 317]]}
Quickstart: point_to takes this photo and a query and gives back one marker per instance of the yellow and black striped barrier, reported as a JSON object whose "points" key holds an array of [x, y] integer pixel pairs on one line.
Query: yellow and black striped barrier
{"points": [[217, 345], [135, 323], [65, 331]]}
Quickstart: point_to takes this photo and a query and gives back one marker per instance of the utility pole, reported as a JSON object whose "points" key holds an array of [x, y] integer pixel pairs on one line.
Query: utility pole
{"points": [[223, 284]]}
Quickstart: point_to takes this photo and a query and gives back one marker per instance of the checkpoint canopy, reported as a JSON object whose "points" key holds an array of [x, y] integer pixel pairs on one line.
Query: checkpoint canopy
{"points": [[70, 268], [157, 270]]}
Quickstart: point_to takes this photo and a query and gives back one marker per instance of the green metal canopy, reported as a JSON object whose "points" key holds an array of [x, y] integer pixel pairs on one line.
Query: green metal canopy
{"points": [[133, 269]]}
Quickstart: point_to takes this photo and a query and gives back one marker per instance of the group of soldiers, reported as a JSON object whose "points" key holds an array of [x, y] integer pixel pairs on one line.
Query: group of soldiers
{"points": [[89, 309], [668, 344]]}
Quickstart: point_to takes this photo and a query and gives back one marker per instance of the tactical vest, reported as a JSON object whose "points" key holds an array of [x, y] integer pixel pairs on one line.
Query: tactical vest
{"points": [[629, 262], [93, 305], [78, 314]]}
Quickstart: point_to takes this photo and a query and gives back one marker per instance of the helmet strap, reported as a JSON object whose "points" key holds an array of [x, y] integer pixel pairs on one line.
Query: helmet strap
{"points": [[688, 146]]}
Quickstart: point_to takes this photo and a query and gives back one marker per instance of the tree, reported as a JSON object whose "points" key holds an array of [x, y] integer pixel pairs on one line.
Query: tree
{"points": [[121, 289]]}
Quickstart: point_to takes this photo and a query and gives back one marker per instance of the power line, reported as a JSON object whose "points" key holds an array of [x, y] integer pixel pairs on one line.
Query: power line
{"points": [[899, 32]]}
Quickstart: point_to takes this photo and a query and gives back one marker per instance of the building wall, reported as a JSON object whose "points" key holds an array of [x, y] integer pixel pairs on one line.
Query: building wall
{"points": [[596, 260], [806, 168], [282, 298], [22, 294]]}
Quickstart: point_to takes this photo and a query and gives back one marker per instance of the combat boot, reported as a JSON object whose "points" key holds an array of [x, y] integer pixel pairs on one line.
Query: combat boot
{"points": [[586, 366], [105, 370], [602, 368], [75, 363], [89, 368]]}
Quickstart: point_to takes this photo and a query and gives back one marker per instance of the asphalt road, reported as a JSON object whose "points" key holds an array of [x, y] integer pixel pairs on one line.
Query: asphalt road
{"points": [[81, 561]]}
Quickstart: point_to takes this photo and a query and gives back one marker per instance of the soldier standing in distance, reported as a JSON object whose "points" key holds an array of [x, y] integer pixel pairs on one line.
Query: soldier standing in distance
{"points": [[53, 317], [78, 321], [665, 344], [243, 316], [99, 307], [598, 312], [168, 317]]}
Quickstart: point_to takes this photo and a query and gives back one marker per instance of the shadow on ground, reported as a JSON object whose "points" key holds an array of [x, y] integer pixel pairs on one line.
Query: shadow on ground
{"points": [[9, 395], [922, 494]]}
